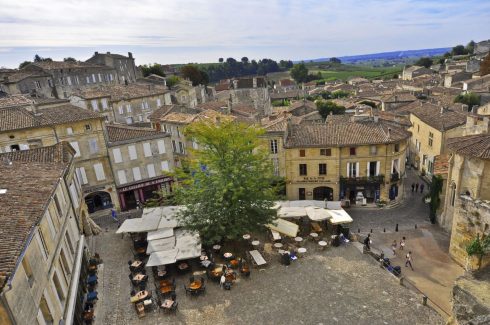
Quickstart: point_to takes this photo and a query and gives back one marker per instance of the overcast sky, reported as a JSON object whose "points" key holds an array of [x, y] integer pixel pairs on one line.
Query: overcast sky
{"points": [[181, 31]]}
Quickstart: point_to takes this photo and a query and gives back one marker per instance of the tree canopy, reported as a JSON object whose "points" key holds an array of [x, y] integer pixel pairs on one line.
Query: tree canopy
{"points": [[23, 64], [230, 68], [194, 74], [424, 62], [69, 59], [226, 183], [335, 60], [299, 72], [172, 81], [469, 99], [37, 58], [154, 68], [327, 107]]}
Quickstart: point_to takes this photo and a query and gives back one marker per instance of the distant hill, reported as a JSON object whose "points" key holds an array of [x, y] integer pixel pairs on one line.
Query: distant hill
{"points": [[395, 55]]}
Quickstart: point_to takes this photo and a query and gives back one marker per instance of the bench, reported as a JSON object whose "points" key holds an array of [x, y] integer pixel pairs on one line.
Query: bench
{"points": [[257, 258]]}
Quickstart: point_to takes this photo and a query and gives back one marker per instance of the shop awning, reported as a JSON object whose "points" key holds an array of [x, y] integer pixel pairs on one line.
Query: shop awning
{"points": [[162, 244], [160, 233], [339, 217], [317, 214], [162, 257], [291, 212], [139, 225], [284, 227]]}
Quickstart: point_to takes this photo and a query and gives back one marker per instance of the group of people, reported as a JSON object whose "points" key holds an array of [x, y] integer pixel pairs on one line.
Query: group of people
{"points": [[408, 256], [416, 186]]}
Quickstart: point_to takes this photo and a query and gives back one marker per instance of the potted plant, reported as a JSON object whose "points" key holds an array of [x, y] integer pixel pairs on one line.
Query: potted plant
{"points": [[476, 249]]}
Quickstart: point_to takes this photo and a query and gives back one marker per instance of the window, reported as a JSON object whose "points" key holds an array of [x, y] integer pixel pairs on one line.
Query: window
{"points": [[50, 83], [111, 77], [70, 243], [69, 131], [28, 270], [88, 79], [165, 166], [151, 170], [116, 152], [132, 153], [65, 267], [38, 84], [302, 153], [104, 103], [174, 146], [74, 195], [373, 168], [161, 146], [129, 120], [140, 118], [147, 149], [44, 248], [121, 110], [52, 229], [326, 152], [95, 105], [62, 81], [395, 166], [159, 102], [431, 139], [303, 170], [75, 146], [274, 146], [59, 289], [178, 131], [88, 127], [352, 151], [92, 143], [301, 193], [136, 173], [353, 169], [397, 147], [275, 165], [100, 78], [322, 169], [181, 147], [93, 78], [68, 79], [128, 108], [373, 150], [424, 160], [121, 174], [99, 172], [77, 81]]}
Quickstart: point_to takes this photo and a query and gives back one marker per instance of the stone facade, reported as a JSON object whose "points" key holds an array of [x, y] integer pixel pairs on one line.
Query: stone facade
{"points": [[126, 70], [36, 84]]}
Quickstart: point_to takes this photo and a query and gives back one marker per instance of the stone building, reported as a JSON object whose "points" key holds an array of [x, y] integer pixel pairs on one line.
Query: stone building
{"points": [[66, 77], [432, 126], [393, 101], [141, 161], [126, 69], [467, 206], [22, 129], [32, 83], [344, 157], [413, 71], [126, 104], [42, 246]]}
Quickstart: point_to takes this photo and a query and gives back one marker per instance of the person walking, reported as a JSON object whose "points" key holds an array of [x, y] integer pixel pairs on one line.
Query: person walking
{"points": [[408, 260], [422, 188], [413, 187], [367, 242], [222, 281], [402, 243], [416, 187], [393, 247]]}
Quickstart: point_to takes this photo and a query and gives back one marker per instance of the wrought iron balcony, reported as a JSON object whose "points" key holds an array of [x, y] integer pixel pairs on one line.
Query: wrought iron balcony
{"points": [[363, 180]]}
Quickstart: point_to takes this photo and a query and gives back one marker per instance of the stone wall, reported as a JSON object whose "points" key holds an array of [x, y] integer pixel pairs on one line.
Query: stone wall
{"points": [[471, 217]]}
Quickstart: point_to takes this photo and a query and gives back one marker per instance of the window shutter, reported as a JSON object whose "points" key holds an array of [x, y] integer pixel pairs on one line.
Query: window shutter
{"points": [[357, 169], [165, 166], [84, 175], [377, 168], [161, 146], [151, 170], [136, 173], [99, 172], [121, 174], [132, 152], [367, 170], [117, 155], [74, 144], [147, 149]]}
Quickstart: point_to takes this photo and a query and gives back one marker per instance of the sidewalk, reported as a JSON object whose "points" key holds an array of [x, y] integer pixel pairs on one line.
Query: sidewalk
{"points": [[434, 271]]}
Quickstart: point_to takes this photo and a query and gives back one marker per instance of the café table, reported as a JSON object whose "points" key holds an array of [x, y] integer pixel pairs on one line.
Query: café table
{"points": [[234, 263], [246, 236], [183, 266], [314, 235], [216, 248], [138, 277], [322, 243], [166, 289], [301, 251], [195, 285], [298, 239], [168, 303], [255, 243], [136, 263], [141, 295], [278, 245], [164, 283], [227, 255]]}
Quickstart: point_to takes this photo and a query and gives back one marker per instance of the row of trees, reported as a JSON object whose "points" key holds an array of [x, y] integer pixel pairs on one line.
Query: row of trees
{"points": [[232, 68], [328, 107]]}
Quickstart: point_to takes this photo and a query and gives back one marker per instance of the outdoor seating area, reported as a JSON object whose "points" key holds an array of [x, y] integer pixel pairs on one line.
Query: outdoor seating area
{"points": [[91, 297]]}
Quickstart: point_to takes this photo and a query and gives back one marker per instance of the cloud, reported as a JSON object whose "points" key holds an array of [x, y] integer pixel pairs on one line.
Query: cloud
{"points": [[287, 28]]}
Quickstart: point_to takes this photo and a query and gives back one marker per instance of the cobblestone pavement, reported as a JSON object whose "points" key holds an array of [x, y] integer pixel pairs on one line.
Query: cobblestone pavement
{"points": [[410, 212], [339, 285]]}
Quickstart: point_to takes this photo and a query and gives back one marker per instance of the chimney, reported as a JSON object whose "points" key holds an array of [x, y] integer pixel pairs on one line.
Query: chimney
{"points": [[130, 55], [96, 53], [389, 133], [474, 109], [109, 53]]}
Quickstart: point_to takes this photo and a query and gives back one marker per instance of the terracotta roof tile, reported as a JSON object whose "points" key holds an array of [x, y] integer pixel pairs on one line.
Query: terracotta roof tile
{"points": [[437, 117], [116, 133], [122, 92], [24, 203], [477, 146], [15, 100], [54, 65]]}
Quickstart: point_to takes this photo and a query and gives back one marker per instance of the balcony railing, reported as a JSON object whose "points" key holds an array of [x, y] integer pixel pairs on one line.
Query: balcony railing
{"points": [[365, 179], [395, 177]]}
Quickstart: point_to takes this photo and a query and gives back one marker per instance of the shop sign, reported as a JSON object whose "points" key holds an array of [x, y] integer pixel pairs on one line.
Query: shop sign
{"points": [[315, 179], [145, 184]]}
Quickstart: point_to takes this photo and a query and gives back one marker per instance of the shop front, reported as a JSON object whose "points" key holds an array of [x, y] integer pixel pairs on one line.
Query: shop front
{"points": [[130, 195], [368, 188]]}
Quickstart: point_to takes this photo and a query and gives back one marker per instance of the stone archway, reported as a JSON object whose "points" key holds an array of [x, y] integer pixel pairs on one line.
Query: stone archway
{"points": [[98, 201], [323, 192]]}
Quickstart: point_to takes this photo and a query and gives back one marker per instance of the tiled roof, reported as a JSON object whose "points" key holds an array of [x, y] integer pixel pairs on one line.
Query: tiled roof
{"points": [[19, 76], [54, 65], [24, 203], [441, 165], [160, 112], [116, 133], [216, 105], [431, 115], [222, 86], [181, 118], [122, 92], [15, 100], [399, 97], [344, 134], [286, 94], [20, 118], [477, 146]]}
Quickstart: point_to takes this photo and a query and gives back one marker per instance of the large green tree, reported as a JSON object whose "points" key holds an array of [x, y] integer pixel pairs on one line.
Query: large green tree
{"points": [[226, 184], [194, 74], [154, 68], [424, 62], [327, 107], [469, 99], [299, 72]]}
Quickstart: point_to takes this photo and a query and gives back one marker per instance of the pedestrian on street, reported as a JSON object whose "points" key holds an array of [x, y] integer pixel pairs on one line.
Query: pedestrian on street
{"points": [[413, 187], [393, 247], [422, 188], [367, 242], [402, 243], [416, 187], [408, 260]]}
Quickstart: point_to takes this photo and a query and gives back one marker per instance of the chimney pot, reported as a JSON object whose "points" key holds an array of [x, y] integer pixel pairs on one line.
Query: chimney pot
{"points": [[108, 52], [130, 55], [96, 53]]}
